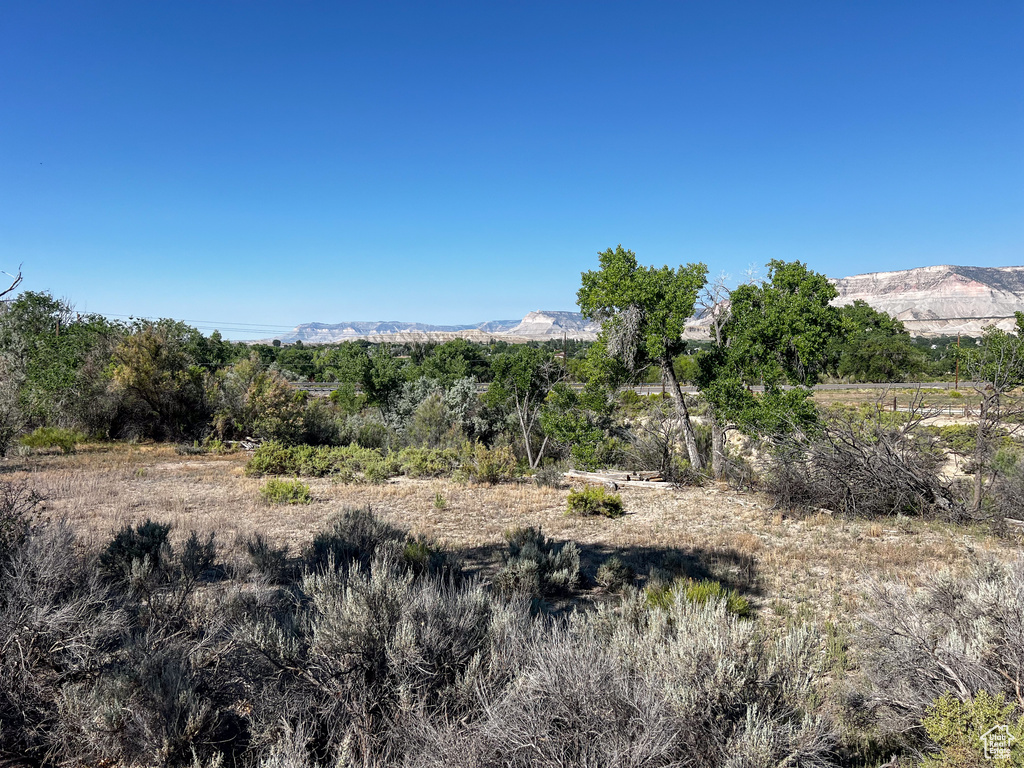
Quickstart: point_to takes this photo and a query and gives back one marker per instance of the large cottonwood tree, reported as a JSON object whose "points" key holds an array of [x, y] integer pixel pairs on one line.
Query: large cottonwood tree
{"points": [[643, 312]]}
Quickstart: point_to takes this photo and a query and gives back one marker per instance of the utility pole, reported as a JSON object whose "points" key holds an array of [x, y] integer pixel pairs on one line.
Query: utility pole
{"points": [[58, 327]]}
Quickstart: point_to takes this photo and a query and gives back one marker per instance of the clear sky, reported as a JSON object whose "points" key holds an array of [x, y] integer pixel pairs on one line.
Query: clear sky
{"points": [[271, 163]]}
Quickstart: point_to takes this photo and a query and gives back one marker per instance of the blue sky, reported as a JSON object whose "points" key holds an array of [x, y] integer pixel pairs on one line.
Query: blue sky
{"points": [[270, 163]]}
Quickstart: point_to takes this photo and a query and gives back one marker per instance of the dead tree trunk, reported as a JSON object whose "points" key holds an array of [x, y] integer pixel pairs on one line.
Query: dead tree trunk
{"points": [[717, 448]]}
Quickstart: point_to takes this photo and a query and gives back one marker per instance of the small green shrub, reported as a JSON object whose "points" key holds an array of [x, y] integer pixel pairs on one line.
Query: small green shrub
{"points": [[663, 594], [53, 437], [491, 465], [956, 727], [271, 458], [614, 574], [423, 556], [285, 492], [439, 501], [595, 500], [956, 395], [380, 470], [427, 462]]}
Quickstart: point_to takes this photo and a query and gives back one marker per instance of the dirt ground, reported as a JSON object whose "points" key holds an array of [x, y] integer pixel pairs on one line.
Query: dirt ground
{"points": [[815, 568]]}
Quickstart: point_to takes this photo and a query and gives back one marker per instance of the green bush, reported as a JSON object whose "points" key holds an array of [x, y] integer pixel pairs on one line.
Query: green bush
{"points": [[427, 462], [271, 458], [662, 595], [956, 728], [53, 437], [595, 500], [491, 465], [286, 492]]}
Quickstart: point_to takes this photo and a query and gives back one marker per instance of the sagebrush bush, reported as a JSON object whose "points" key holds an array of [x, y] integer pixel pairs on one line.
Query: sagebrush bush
{"points": [[53, 437], [614, 574], [594, 500], [353, 535], [18, 510], [146, 541], [267, 560], [276, 491], [537, 567], [549, 476], [957, 634]]}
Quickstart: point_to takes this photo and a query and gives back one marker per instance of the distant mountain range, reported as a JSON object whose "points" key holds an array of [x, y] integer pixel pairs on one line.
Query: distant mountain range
{"points": [[931, 301], [536, 326]]}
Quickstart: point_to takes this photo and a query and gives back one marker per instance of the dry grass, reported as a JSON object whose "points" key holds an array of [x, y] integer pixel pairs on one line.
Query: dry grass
{"points": [[817, 565]]}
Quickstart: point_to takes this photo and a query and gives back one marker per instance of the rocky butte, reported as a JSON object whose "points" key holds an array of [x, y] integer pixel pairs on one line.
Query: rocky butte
{"points": [[941, 301], [931, 301]]}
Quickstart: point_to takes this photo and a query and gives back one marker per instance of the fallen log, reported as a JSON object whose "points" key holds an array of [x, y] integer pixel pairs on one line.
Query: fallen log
{"points": [[618, 478]]}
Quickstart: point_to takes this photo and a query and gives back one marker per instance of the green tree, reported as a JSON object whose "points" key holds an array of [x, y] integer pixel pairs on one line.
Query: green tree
{"points": [[521, 380], [643, 311], [776, 332], [877, 347], [155, 367], [60, 357], [382, 379], [579, 420], [457, 359]]}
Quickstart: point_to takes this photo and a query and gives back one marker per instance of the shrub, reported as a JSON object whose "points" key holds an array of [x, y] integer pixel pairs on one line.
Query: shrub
{"points": [[271, 458], [53, 437], [614, 574], [285, 492], [956, 727], [354, 535], [427, 462], [537, 567], [595, 500], [266, 560], [18, 504], [549, 476], [662, 595], [960, 634], [146, 542], [491, 465]]}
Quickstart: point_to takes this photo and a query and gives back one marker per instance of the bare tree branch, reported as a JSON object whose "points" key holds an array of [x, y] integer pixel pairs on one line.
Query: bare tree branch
{"points": [[16, 282]]}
